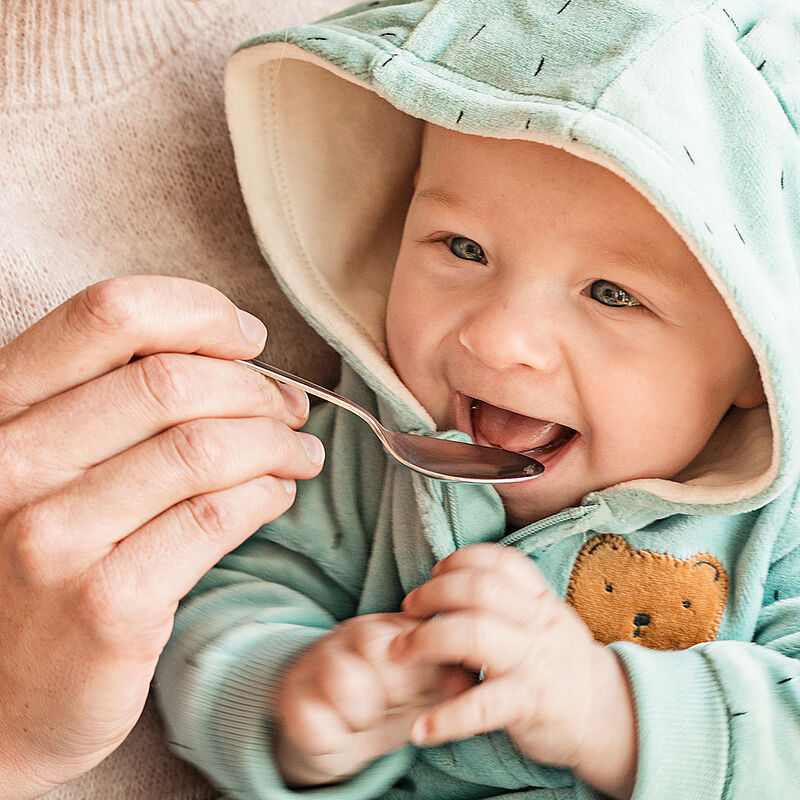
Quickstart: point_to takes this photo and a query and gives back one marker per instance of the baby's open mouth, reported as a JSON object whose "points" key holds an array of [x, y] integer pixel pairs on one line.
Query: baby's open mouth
{"points": [[499, 427]]}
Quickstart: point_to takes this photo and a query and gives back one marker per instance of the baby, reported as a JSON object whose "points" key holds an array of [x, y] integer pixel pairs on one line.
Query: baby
{"points": [[518, 251]]}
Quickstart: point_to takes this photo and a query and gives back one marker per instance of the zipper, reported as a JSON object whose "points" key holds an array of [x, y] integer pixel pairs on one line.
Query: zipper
{"points": [[568, 515]]}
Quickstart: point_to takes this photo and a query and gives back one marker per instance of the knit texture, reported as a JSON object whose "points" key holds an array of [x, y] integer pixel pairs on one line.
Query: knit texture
{"points": [[115, 156], [115, 160]]}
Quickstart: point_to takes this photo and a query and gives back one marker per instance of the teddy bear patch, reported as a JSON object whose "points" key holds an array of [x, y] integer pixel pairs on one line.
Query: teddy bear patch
{"points": [[652, 599]]}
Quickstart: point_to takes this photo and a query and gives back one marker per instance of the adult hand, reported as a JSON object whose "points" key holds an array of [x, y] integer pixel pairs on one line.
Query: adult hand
{"points": [[346, 701], [562, 697], [121, 482]]}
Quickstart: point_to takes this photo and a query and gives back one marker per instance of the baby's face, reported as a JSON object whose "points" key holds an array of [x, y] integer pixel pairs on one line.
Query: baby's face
{"points": [[538, 299]]}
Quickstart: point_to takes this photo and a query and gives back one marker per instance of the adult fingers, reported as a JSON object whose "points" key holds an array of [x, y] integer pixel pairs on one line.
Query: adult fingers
{"points": [[124, 493], [108, 323], [54, 441], [146, 574]]}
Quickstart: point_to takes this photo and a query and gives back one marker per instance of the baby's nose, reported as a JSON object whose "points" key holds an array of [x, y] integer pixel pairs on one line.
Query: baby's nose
{"points": [[641, 619], [502, 333]]}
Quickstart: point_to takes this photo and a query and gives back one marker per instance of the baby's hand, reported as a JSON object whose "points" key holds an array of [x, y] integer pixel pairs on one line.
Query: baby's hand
{"points": [[346, 701], [561, 697]]}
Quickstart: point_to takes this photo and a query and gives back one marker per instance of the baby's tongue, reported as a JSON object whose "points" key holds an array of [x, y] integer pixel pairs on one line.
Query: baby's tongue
{"points": [[512, 431]]}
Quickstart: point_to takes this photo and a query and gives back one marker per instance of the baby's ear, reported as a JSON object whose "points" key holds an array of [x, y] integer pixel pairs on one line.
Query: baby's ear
{"points": [[607, 541], [752, 394], [710, 568]]}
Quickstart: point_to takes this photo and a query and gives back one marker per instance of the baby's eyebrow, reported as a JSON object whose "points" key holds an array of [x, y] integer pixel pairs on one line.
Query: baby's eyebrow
{"points": [[440, 196], [657, 268]]}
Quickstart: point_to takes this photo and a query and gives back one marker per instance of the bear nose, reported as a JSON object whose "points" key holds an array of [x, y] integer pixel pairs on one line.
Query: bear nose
{"points": [[641, 619]]}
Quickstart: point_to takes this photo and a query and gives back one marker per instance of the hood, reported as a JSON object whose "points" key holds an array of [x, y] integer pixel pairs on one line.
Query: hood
{"points": [[695, 103]]}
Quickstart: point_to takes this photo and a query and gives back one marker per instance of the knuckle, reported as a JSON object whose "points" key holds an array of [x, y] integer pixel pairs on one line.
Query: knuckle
{"points": [[518, 561], [483, 588], [372, 639], [323, 731], [100, 603], [116, 612], [283, 444], [107, 306], [301, 716], [345, 684], [264, 392], [200, 452], [110, 608], [34, 529], [211, 515], [15, 460], [165, 380]]}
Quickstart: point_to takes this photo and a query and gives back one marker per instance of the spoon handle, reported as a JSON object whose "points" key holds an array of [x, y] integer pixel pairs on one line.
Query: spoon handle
{"points": [[318, 391]]}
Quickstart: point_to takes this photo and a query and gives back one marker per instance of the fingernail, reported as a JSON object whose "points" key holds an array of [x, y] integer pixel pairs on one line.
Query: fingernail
{"points": [[313, 447], [290, 486], [296, 399], [252, 327]]}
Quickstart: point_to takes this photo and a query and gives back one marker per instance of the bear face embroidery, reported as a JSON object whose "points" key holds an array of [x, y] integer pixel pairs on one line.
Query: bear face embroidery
{"points": [[652, 599]]}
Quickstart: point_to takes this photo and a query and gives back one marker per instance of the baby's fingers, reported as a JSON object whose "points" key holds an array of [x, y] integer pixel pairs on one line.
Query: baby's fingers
{"points": [[475, 589], [354, 753], [352, 687], [477, 640], [487, 707]]}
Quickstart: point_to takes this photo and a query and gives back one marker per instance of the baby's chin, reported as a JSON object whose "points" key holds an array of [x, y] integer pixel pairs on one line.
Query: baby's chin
{"points": [[524, 505]]}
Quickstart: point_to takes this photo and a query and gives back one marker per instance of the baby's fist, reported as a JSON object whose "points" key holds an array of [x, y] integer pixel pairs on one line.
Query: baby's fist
{"points": [[346, 701]]}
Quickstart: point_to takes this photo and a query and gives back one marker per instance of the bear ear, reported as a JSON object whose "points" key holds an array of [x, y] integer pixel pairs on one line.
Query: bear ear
{"points": [[605, 541], [710, 567]]}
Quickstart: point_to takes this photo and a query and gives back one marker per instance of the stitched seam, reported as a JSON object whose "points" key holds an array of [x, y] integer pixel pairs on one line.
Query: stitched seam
{"points": [[728, 728]]}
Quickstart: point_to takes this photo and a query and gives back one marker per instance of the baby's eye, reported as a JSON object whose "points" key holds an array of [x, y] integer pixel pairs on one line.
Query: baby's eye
{"points": [[609, 294], [461, 247]]}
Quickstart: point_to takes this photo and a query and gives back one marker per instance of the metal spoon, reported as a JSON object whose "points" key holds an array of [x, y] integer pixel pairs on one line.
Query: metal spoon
{"points": [[438, 458]]}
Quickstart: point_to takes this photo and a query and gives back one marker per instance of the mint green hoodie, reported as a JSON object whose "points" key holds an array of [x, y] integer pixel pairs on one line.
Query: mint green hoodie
{"points": [[697, 104]]}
